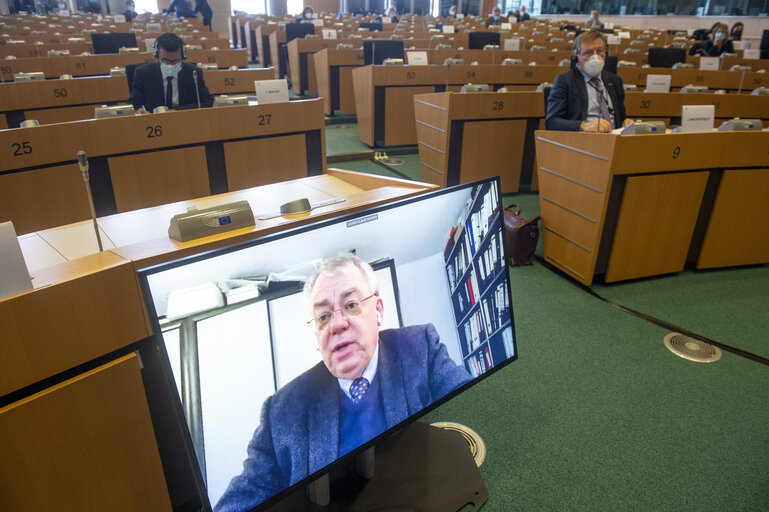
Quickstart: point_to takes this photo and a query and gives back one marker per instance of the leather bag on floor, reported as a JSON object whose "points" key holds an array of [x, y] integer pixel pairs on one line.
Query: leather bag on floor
{"points": [[521, 236]]}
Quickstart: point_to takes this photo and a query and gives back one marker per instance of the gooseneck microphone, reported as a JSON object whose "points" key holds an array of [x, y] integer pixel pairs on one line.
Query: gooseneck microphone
{"points": [[195, 79], [82, 162]]}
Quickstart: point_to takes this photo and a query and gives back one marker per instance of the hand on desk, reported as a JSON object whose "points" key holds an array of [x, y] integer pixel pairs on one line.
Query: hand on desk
{"points": [[594, 126], [627, 121], [140, 111]]}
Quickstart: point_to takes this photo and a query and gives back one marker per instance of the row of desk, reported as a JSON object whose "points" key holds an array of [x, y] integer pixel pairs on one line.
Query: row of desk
{"points": [[142, 161], [58, 101]]}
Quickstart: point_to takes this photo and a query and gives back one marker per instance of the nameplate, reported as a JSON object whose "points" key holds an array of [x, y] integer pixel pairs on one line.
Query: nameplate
{"points": [[416, 58], [657, 83], [460, 16], [751, 54], [149, 43], [387, 19], [710, 63], [64, 12], [12, 266], [624, 34], [317, 23], [697, 118], [271, 91], [153, 27], [118, 18], [513, 44], [612, 39], [448, 29], [328, 33], [506, 26]]}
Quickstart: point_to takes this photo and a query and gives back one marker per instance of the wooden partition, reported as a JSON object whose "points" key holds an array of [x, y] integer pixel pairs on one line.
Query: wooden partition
{"points": [[467, 137], [732, 81], [667, 106], [631, 206], [141, 161]]}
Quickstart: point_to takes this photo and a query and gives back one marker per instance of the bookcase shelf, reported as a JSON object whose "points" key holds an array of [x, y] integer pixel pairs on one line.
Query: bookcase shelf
{"points": [[475, 270]]}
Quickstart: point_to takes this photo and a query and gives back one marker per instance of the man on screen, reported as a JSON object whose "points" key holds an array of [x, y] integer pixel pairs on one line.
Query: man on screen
{"points": [[368, 382]]}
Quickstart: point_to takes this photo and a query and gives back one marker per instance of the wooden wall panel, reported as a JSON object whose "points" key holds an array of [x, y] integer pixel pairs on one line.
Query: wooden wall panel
{"points": [[493, 148], [251, 163]]}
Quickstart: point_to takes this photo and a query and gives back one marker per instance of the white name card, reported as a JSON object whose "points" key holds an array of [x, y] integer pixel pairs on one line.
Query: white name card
{"points": [[608, 25], [513, 44], [64, 12], [416, 58], [328, 33], [317, 23], [710, 63], [12, 266], [271, 91], [751, 53], [697, 118], [154, 27], [657, 83], [506, 26], [118, 18], [448, 29], [624, 34], [612, 39], [387, 19], [149, 44], [460, 16]]}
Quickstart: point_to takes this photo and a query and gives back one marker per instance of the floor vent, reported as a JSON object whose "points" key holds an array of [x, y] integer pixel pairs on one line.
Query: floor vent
{"points": [[692, 348]]}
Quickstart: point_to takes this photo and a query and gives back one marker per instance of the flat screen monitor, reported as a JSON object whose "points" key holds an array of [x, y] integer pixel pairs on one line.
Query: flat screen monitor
{"points": [[253, 367], [666, 57], [111, 43], [477, 40], [375, 52], [374, 26], [764, 46], [294, 30]]}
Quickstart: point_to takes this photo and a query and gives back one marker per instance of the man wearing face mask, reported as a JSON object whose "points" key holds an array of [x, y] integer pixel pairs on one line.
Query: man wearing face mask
{"points": [[170, 81], [587, 98], [495, 18], [720, 42]]}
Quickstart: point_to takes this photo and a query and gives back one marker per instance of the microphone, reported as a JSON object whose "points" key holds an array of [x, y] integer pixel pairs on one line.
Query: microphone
{"points": [[195, 79], [82, 162]]}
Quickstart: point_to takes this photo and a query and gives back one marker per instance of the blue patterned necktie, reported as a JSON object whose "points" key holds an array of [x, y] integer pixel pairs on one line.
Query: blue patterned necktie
{"points": [[358, 389], [596, 83]]}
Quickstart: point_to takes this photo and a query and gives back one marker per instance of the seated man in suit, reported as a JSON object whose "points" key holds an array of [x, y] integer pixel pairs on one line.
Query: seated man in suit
{"points": [[168, 82], [523, 15], [369, 381], [495, 18], [587, 98]]}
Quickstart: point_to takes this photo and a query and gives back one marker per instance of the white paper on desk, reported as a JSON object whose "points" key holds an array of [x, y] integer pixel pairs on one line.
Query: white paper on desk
{"points": [[624, 34], [513, 44], [710, 63], [15, 276], [697, 118], [149, 43], [416, 58], [751, 54], [271, 91], [118, 18], [328, 33], [657, 83], [448, 29], [317, 23], [612, 39]]}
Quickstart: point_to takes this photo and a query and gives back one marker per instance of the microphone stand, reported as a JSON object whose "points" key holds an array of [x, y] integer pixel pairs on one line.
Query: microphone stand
{"points": [[195, 79], [82, 162]]}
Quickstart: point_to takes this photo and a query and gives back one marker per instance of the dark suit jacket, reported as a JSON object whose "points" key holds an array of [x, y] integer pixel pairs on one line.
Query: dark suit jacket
{"points": [[299, 426], [709, 49], [567, 102], [149, 90]]}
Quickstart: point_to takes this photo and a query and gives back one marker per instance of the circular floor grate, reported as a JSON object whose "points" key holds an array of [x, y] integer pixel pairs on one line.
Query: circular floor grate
{"points": [[392, 161], [477, 446], [692, 348]]}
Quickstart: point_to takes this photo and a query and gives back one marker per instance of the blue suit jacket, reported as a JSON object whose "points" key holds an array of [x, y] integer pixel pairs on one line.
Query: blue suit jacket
{"points": [[567, 102], [299, 427]]}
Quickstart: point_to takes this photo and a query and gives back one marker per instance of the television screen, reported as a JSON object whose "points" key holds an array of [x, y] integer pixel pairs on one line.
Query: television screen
{"points": [[294, 30], [111, 43], [477, 40], [666, 57], [267, 341], [375, 52]]}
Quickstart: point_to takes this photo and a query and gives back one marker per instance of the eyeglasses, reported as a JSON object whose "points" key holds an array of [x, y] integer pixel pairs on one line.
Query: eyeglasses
{"points": [[322, 317], [598, 51], [170, 62]]}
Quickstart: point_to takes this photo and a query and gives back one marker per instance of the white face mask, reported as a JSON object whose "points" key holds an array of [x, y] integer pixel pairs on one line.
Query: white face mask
{"points": [[593, 66], [170, 69]]}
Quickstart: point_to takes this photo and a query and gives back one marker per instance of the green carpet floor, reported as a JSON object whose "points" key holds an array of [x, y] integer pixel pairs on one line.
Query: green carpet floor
{"points": [[596, 414]]}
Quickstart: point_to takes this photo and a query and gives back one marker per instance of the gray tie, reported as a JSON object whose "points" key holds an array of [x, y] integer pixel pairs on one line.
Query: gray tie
{"points": [[596, 83]]}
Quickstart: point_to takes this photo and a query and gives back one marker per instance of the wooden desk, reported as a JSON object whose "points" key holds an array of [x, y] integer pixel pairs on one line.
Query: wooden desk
{"points": [[86, 423], [262, 41], [634, 206], [466, 137], [141, 161], [729, 80], [668, 105], [384, 94], [333, 71], [278, 53], [303, 71], [59, 101]]}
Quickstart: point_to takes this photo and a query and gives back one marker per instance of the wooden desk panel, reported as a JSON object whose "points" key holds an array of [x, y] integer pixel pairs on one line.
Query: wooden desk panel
{"points": [[493, 148], [399, 121], [159, 177], [85, 444], [738, 225], [659, 104], [252, 163], [655, 225], [23, 148], [51, 193]]}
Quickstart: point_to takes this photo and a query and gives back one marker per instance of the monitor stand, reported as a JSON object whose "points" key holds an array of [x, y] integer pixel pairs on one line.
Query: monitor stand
{"points": [[421, 468]]}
